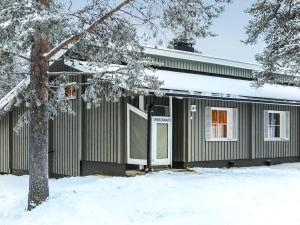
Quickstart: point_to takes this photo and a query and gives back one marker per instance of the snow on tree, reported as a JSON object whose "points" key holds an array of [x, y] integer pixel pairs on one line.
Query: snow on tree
{"points": [[278, 23], [103, 33]]}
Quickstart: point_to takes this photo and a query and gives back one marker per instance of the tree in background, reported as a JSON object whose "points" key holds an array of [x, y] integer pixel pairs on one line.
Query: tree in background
{"points": [[103, 32], [278, 23]]}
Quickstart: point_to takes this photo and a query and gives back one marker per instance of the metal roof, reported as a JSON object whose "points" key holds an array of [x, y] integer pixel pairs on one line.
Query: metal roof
{"points": [[192, 56]]}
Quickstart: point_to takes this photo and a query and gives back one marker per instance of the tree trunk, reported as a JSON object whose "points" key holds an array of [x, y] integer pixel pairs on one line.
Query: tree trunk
{"points": [[39, 124]]}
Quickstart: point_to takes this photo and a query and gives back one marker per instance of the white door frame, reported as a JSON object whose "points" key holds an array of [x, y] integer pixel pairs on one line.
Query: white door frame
{"points": [[161, 120], [143, 115], [154, 121]]}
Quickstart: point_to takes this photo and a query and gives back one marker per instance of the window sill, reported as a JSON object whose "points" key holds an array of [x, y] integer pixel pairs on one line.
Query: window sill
{"points": [[70, 98], [276, 139], [220, 139]]}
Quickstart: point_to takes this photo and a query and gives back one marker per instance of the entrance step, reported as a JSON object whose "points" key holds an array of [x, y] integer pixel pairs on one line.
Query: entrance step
{"points": [[133, 173]]}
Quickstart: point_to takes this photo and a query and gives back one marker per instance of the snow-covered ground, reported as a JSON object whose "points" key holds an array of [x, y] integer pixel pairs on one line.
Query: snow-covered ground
{"points": [[254, 196]]}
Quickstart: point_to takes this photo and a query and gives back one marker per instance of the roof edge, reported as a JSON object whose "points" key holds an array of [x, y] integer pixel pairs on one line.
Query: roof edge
{"points": [[192, 56]]}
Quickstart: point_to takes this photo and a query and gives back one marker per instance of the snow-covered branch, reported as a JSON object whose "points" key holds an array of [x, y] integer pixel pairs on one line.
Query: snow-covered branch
{"points": [[103, 33], [277, 22], [91, 28]]}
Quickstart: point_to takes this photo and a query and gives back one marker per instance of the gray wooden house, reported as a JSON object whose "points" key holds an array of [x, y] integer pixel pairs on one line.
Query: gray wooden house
{"points": [[208, 116]]}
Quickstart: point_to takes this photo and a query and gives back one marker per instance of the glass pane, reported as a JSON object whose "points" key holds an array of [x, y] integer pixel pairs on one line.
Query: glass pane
{"points": [[274, 118], [222, 116], [162, 141], [274, 131], [222, 131], [277, 131], [70, 91], [271, 132], [219, 124], [214, 116], [214, 130], [138, 137]]}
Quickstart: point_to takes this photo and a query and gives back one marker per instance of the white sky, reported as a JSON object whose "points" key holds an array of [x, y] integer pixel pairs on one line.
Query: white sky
{"points": [[230, 29]]}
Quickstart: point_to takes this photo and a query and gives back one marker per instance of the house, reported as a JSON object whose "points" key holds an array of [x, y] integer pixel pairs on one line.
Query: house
{"points": [[209, 115]]}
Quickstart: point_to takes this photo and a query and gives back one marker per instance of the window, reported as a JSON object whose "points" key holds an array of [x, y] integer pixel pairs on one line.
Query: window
{"points": [[221, 124], [276, 125], [70, 92]]}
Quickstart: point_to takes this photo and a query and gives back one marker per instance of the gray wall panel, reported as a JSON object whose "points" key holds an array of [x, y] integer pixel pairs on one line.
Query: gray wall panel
{"points": [[103, 132], [4, 144], [201, 150], [178, 130], [65, 140], [273, 149], [156, 101], [250, 144], [20, 142]]}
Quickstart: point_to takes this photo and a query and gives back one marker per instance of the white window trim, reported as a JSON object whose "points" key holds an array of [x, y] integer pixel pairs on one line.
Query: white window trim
{"points": [[276, 139], [282, 113], [221, 139]]}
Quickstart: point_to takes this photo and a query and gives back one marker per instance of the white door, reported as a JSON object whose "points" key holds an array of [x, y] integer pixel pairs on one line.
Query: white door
{"points": [[161, 140]]}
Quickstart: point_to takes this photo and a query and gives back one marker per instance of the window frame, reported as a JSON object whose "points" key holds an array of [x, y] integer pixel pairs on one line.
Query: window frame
{"points": [[232, 125], [72, 86], [282, 127]]}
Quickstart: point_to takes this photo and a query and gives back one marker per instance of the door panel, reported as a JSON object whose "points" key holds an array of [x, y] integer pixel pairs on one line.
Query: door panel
{"points": [[136, 136], [162, 141]]}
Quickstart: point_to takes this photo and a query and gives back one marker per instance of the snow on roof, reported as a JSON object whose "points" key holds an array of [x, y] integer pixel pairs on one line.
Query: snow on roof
{"points": [[89, 67], [204, 85], [210, 86], [192, 56]]}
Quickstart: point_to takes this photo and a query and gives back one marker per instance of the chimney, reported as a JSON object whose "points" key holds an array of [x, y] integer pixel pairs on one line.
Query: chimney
{"points": [[183, 44]]}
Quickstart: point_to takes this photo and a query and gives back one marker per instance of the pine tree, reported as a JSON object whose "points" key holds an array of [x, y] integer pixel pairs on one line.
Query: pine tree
{"points": [[278, 23], [103, 32]]}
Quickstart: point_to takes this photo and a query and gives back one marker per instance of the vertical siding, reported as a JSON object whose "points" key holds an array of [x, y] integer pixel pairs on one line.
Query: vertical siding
{"points": [[250, 144], [178, 130], [273, 149], [20, 142], [202, 67], [156, 101], [194, 66], [66, 140], [4, 144], [103, 132], [201, 150]]}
